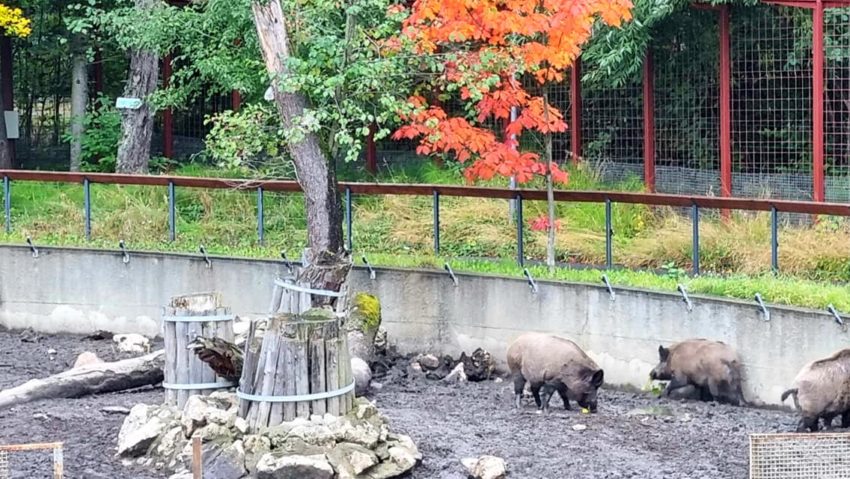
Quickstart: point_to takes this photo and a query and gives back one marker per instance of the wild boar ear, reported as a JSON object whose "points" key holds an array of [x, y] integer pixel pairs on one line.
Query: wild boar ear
{"points": [[663, 353], [597, 378]]}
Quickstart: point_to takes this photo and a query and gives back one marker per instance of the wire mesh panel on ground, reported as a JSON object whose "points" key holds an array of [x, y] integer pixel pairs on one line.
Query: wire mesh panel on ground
{"points": [[687, 113], [772, 102], [9, 466], [800, 456]]}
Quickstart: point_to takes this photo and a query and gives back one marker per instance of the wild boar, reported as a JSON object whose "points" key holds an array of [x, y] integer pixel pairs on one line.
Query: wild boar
{"points": [[550, 364], [822, 390], [711, 366]]}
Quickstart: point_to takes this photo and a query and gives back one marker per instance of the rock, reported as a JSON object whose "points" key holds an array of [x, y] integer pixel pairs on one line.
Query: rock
{"points": [[350, 460], [172, 443], [498, 380], [51, 352], [215, 432], [241, 425], [255, 447], [579, 427], [115, 410], [180, 475], [29, 336], [401, 460], [222, 399], [485, 467], [132, 343], [224, 418], [86, 359], [195, 413], [479, 366], [362, 376], [139, 431], [40, 416], [376, 386], [381, 342], [227, 463], [428, 361], [294, 467], [458, 375]]}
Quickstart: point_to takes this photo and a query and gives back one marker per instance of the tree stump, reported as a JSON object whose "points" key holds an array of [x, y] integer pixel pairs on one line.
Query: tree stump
{"points": [[184, 319], [302, 366]]}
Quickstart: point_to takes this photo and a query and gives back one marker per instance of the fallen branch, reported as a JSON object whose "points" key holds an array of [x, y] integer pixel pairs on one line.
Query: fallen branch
{"points": [[93, 379]]}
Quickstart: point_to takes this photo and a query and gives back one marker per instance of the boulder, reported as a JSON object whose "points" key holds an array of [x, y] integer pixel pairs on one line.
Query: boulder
{"points": [[362, 376], [139, 431], [227, 463], [87, 358], [132, 343], [350, 460], [485, 467], [172, 442], [381, 341], [428, 361], [272, 466], [255, 447], [458, 375], [401, 460], [195, 413]]}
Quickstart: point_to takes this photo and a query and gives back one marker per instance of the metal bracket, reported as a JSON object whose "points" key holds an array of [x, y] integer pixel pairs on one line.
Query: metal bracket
{"points": [[32, 248], [835, 314], [685, 298], [206, 258], [124, 253], [369, 267], [609, 287], [451, 273], [531, 283], [763, 307], [286, 261]]}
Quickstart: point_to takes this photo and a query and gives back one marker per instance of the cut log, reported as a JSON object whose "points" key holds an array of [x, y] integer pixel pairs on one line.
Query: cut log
{"points": [[94, 379]]}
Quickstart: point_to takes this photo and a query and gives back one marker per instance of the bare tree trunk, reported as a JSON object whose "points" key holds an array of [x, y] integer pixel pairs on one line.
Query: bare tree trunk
{"points": [[316, 175], [550, 190], [79, 100], [137, 124]]}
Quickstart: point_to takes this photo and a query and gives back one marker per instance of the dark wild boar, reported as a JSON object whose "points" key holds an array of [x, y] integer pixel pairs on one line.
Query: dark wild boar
{"points": [[550, 364], [712, 367], [822, 390]]}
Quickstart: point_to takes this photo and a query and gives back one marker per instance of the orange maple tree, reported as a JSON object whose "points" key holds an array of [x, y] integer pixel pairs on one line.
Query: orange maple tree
{"points": [[481, 49]]}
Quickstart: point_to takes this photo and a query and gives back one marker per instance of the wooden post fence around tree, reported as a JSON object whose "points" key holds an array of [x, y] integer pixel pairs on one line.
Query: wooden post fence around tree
{"points": [[302, 366], [184, 319]]}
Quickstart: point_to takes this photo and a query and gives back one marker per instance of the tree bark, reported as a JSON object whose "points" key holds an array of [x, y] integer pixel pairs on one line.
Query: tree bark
{"points": [[5, 147], [316, 175], [79, 100], [137, 125], [93, 379]]}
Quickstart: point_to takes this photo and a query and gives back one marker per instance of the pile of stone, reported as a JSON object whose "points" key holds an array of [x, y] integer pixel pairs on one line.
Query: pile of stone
{"points": [[356, 446], [479, 366]]}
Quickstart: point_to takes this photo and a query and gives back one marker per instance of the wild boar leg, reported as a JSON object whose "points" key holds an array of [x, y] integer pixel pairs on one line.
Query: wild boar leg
{"points": [[562, 391], [535, 391], [548, 390], [705, 394], [827, 420], [845, 419], [674, 384], [810, 423], [519, 385]]}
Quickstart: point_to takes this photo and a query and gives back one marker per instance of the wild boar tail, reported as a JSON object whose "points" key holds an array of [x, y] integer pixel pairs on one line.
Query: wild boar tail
{"points": [[789, 393]]}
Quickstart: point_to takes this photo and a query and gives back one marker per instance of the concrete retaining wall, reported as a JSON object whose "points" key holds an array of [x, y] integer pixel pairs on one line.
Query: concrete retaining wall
{"points": [[78, 291]]}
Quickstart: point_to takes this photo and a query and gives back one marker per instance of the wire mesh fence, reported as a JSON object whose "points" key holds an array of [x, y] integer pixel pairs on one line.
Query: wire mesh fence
{"points": [[800, 456]]}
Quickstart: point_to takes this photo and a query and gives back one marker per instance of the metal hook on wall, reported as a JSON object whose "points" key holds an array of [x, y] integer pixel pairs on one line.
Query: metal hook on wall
{"points": [[369, 267], [124, 253], [451, 273], [835, 314], [609, 287], [531, 283], [286, 261], [763, 307], [685, 298], [32, 248], [206, 258]]}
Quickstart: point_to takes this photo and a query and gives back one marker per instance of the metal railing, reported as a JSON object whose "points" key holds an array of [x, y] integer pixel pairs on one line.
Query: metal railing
{"points": [[607, 198]]}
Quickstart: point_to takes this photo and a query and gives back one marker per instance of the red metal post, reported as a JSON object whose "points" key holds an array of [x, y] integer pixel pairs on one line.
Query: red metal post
{"points": [[7, 67], [649, 122], [168, 114], [575, 110], [371, 151], [725, 104], [817, 103], [235, 100]]}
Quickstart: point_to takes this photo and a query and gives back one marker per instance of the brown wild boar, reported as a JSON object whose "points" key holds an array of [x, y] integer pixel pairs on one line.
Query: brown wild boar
{"points": [[553, 364], [712, 367], [822, 390]]}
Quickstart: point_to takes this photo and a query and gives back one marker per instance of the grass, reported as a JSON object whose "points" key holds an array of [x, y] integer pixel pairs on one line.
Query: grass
{"points": [[398, 231]]}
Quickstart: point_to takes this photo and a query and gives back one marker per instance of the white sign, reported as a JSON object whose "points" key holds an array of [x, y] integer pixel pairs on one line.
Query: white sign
{"points": [[128, 103], [12, 132]]}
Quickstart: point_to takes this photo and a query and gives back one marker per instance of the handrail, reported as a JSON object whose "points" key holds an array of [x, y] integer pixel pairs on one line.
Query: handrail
{"points": [[651, 199]]}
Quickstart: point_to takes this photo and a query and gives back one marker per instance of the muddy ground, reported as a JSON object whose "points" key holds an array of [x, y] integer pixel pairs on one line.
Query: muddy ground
{"points": [[448, 422]]}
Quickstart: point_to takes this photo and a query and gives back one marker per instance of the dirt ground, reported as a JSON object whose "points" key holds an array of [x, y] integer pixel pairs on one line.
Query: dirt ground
{"points": [[632, 435]]}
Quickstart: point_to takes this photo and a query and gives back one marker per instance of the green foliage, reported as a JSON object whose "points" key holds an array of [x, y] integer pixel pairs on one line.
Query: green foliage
{"points": [[369, 308], [101, 136], [248, 138]]}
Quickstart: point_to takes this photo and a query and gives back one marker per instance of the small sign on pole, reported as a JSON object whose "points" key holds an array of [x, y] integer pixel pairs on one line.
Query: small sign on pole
{"points": [[128, 103]]}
